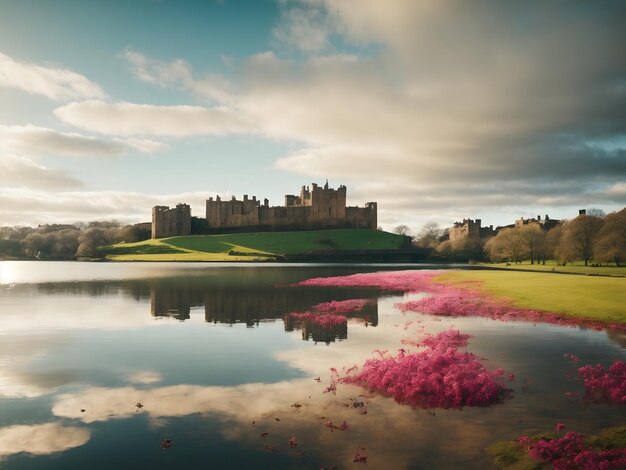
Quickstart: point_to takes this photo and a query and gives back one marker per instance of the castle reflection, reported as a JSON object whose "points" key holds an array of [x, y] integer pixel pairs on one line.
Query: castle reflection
{"points": [[232, 304]]}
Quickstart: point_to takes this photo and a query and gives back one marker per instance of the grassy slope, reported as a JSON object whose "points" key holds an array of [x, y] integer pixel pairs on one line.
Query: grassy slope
{"points": [[576, 268], [292, 242], [251, 246], [599, 298]]}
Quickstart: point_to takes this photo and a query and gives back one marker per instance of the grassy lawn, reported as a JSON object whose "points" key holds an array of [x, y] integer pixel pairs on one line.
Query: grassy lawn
{"points": [[251, 246], [292, 242], [551, 266], [592, 297]]}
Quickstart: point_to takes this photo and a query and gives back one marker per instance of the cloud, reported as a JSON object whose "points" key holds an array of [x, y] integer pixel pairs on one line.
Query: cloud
{"points": [[41, 439], [177, 74], [34, 140], [129, 119], [17, 171], [304, 25], [34, 205], [42, 141], [55, 83], [495, 104]]}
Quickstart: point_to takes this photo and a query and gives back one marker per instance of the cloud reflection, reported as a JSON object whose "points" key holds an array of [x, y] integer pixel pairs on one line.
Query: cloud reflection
{"points": [[41, 439]]}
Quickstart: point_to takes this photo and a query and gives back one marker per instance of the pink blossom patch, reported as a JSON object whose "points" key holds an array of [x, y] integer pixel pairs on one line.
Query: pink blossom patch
{"points": [[406, 281], [448, 300], [441, 376], [342, 306], [327, 320], [605, 385], [569, 452]]}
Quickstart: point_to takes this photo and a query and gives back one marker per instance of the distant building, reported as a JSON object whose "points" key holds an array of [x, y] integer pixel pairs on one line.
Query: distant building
{"points": [[546, 223], [469, 229], [314, 208]]}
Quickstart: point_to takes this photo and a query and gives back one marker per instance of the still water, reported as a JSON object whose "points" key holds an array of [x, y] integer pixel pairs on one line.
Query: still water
{"points": [[101, 364]]}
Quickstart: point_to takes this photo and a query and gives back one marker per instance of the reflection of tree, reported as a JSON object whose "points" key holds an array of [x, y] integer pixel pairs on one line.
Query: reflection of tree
{"points": [[226, 303], [230, 296], [617, 337], [316, 332]]}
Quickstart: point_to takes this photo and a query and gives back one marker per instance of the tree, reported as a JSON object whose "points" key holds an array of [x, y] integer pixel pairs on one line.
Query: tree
{"points": [[430, 235], [402, 230], [534, 238], [579, 235], [610, 244], [509, 244]]}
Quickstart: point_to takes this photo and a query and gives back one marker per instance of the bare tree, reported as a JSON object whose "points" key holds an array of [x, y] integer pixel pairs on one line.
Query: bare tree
{"points": [[533, 237], [430, 235], [508, 244], [402, 230], [610, 244], [579, 235]]}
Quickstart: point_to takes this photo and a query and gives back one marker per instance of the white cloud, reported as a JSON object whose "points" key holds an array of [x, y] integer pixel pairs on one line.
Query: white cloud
{"points": [[30, 206], [43, 141], [177, 74], [129, 119], [55, 83], [17, 171], [41, 439], [304, 25]]}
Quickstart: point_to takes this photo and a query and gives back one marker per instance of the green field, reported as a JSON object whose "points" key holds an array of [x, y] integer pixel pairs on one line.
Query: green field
{"points": [[592, 297], [577, 267], [252, 246]]}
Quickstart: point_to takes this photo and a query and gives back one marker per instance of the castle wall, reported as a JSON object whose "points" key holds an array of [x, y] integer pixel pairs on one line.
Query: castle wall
{"points": [[466, 229], [232, 213], [168, 222], [362, 217], [315, 208]]}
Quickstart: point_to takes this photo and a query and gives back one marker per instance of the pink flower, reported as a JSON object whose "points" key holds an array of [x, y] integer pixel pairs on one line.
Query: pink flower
{"points": [[605, 386], [559, 426], [441, 376]]}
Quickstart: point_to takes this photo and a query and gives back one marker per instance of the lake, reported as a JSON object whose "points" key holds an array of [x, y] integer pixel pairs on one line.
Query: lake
{"points": [[171, 365]]}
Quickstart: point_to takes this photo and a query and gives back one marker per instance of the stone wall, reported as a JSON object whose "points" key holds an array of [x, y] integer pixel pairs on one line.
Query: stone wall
{"points": [[467, 229], [314, 208], [168, 222]]}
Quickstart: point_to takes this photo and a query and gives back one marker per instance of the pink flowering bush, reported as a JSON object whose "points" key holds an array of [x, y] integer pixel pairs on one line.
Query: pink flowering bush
{"points": [[440, 376], [461, 302], [605, 385], [342, 306], [570, 452], [326, 320], [406, 281], [448, 300]]}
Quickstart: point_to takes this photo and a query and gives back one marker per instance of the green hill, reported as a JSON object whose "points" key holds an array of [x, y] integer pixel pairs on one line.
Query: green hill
{"points": [[253, 246]]}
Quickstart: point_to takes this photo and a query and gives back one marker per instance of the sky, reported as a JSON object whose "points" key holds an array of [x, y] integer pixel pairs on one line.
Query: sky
{"points": [[438, 110]]}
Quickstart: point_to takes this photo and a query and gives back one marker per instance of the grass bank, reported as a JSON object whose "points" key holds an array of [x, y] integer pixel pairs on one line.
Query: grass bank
{"points": [[252, 246], [590, 297], [577, 267]]}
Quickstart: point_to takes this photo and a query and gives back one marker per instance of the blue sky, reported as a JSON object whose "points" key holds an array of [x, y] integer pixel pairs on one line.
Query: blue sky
{"points": [[437, 110]]}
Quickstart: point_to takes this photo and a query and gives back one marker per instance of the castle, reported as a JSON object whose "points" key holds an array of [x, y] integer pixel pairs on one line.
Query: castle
{"points": [[315, 208], [471, 229]]}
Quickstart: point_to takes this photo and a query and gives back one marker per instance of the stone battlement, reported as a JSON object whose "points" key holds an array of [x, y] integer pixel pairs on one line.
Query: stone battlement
{"points": [[313, 209]]}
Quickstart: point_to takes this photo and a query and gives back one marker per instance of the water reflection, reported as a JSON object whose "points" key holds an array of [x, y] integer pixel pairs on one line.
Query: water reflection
{"points": [[215, 363], [41, 439]]}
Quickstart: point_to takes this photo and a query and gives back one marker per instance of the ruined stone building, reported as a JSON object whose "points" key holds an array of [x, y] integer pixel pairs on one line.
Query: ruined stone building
{"points": [[546, 223], [314, 208], [469, 229], [168, 222]]}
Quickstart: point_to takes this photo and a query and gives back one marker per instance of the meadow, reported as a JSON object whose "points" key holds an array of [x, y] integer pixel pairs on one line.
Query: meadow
{"points": [[261, 246]]}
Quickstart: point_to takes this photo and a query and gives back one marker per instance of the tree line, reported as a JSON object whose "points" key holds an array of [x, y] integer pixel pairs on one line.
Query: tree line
{"points": [[592, 238], [63, 241]]}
